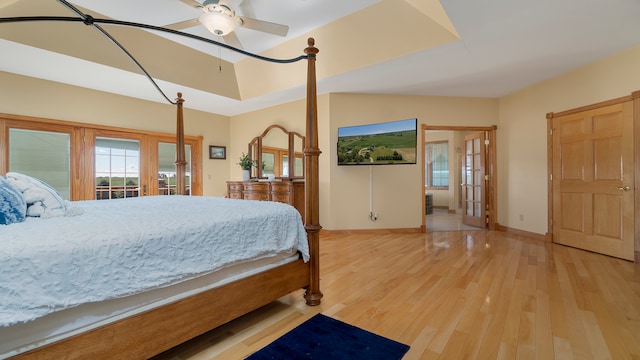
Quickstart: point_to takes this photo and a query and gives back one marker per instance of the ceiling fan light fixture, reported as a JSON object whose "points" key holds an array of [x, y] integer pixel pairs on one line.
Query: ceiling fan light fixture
{"points": [[218, 23]]}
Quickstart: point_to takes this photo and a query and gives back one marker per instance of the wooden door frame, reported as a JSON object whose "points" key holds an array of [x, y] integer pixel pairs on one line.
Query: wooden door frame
{"points": [[491, 168], [635, 97]]}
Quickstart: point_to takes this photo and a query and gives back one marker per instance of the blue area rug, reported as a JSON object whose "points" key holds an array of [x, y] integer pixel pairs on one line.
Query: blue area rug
{"points": [[325, 338]]}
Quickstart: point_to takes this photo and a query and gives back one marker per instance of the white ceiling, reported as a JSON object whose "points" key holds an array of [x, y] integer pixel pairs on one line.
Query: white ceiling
{"points": [[504, 46]]}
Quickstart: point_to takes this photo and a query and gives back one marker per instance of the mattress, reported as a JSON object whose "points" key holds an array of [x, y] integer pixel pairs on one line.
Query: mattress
{"points": [[22, 337], [117, 249]]}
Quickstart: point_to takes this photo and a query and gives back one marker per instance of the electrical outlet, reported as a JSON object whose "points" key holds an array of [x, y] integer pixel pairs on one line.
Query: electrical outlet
{"points": [[521, 217]]}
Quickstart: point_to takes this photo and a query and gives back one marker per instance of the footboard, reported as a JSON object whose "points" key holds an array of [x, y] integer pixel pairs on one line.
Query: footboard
{"points": [[157, 330]]}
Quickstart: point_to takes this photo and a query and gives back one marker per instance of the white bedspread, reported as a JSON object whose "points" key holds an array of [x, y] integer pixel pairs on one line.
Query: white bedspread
{"points": [[121, 247]]}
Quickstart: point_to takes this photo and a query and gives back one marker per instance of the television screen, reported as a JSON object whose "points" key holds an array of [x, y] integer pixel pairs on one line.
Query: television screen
{"points": [[386, 143]]}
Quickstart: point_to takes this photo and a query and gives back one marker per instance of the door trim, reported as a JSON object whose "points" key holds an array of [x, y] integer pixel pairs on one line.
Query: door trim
{"points": [[491, 169], [636, 156], [635, 97]]}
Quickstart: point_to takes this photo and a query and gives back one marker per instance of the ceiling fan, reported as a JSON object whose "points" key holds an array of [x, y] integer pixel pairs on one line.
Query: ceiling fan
{"points": [[219, 17]]}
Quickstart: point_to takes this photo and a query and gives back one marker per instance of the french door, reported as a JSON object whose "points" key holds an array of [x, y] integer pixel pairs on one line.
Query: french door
{"points": [[114, 166], [87, 161], [117, 168], [474, 200]]}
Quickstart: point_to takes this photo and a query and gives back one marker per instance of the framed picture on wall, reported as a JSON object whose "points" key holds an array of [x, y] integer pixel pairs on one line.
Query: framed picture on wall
{"points": [[217, 152]]}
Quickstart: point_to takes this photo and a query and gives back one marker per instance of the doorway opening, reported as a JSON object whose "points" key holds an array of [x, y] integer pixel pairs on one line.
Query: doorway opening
{"points": [[458, 178]]}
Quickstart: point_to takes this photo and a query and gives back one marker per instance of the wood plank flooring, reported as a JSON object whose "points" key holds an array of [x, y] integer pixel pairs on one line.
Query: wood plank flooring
{"points": [[443, 220], [457, 295]]}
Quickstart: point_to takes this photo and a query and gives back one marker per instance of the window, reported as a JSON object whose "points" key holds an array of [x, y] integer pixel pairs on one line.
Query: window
{"points": [[167, 168], [117, 168], [436, 155], [43, 155]]}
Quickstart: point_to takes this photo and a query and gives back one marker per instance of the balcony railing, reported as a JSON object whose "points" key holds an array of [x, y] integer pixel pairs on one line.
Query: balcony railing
{"points": [[118, 192]]}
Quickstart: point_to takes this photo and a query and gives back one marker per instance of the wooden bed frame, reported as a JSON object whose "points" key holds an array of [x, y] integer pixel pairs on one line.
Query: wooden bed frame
{"points": [[157, 330]]}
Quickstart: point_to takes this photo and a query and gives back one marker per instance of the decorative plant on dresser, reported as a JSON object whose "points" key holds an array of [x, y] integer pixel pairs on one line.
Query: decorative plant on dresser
{"points": [[246, 163]]}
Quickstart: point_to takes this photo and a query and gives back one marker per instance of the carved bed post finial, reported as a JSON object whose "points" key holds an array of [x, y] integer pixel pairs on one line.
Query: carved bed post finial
{"points": [[311, 181], [181, 163]]}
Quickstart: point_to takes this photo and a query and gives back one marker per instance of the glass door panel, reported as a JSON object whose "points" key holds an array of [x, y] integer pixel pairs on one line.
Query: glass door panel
{"points": [[117, 168], [268, 164], [43, 155], [285, 166], [299, 167], [473, 194], [167, 168]]}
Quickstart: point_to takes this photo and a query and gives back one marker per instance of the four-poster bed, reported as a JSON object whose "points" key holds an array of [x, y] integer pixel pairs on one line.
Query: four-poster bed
{"points": [[160, 328]]}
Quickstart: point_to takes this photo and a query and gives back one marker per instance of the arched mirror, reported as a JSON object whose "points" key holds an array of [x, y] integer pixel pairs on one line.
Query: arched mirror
{"points": [[274, 151]]}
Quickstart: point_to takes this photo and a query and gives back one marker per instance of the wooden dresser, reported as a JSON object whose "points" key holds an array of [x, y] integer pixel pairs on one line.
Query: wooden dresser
{"points": [[285, 191]]}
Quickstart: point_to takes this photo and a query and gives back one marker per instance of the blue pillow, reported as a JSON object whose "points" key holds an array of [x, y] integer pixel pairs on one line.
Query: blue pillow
{"points": [[13, 208]]}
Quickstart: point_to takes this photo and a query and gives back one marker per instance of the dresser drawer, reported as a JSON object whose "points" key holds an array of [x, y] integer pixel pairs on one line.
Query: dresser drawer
{"points": [[288, 192], [249, 195], [283, 198], [235, 195], [280, 187], [234, 186], [256, 186]]}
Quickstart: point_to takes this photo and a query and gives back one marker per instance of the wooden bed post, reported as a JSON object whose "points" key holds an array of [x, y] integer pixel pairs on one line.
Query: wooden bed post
{"points": [[181, 163], [311, 184]]}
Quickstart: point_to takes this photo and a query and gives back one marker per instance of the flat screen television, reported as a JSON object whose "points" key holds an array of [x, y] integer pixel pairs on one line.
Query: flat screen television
{"points": [[388, 143]]}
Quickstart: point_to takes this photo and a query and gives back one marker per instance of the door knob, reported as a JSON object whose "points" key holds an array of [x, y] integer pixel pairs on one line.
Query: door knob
{"points": [[624, 188]]}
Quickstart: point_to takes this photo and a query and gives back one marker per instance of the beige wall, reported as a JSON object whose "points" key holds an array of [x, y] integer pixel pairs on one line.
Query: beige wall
{"points": [[397, 189], [344, 191], [521, 147], [522, 141], [40, 98]]}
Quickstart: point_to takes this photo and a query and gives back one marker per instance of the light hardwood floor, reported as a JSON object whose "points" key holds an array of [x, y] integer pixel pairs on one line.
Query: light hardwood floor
{"points": [[443, 220], [457, 295]]}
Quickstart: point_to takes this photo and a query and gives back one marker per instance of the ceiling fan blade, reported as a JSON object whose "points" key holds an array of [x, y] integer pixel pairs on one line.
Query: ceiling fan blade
{"points": [[183, 24], [265, 26], [193, 3], [231, 39], [246, 9]]}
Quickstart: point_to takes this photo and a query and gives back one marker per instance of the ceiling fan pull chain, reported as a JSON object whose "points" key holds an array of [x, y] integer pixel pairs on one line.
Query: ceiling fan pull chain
{"points": [[219, 57]]}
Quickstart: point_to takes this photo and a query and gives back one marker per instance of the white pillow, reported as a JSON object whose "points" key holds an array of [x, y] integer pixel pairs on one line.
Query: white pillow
{"points": [[37, 193]]}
